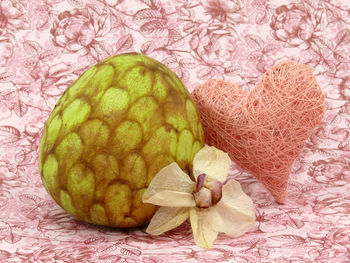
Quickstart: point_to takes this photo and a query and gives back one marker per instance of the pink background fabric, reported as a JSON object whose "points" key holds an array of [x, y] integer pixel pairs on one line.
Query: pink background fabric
{"points": [[45, 45]]}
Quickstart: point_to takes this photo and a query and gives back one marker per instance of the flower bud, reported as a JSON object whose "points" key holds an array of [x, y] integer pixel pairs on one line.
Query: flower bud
{"points": [[215, 187], [203, 198]]}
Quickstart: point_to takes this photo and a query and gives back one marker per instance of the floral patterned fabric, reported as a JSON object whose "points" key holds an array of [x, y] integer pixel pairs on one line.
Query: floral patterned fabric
{"points": [[45, 45]]}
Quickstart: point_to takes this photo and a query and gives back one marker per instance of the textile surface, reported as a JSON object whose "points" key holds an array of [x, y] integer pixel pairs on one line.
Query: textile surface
{"points": [[45, 45]]}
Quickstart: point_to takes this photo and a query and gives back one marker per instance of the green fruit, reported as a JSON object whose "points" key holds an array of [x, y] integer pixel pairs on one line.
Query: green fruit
{"points": [[110, 133]]}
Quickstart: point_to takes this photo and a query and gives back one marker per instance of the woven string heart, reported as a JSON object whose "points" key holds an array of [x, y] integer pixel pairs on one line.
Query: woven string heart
{"points": [[265, 129]]}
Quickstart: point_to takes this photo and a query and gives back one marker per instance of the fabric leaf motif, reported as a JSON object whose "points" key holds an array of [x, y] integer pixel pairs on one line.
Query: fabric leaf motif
{"points": [[30, 62], [205, 73], [9, 134], [124, 43], [48, 54], [75, 3], [154, 28], [343, 37], [154, 4], [262, 17], [187, 63], [174, 38], [6, 77], [147, 47], [253, 41], [171, 62], [146, 15], [232, 71], [20, 108], [31, 47], [43, 23], [93, 10], [4, 254]]}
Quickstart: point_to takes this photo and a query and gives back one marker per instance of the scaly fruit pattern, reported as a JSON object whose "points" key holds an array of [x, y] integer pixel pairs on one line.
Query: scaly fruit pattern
{"points": [[110, 133]]}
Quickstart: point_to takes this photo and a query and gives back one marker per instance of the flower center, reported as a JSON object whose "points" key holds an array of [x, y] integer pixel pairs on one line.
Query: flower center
{"points": [[208, 191]]}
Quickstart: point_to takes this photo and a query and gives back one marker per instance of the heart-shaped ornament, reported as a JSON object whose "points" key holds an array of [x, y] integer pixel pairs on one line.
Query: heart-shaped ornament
{"points": [[265, 129]]}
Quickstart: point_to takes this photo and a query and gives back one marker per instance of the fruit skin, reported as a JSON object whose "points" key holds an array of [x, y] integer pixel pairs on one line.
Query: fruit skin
{"points": [[110, 133]]}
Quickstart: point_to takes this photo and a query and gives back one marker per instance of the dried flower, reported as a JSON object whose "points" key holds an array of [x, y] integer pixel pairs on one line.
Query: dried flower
{"points": [[212, 205]]}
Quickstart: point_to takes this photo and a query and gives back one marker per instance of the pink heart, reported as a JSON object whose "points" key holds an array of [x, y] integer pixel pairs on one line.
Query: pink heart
{"points": [[265, 129]]}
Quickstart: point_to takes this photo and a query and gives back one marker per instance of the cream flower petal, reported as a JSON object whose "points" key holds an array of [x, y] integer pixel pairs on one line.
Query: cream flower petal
{"points": [[201, 223], [167, 218], [235, 212], [213, 162], [170, 187]]}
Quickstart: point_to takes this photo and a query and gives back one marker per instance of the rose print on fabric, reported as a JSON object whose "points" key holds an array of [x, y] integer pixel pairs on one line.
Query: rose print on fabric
{"points": [[85, 31], [12, 15], [231, 12], [293, 24], [214, 45], [324, 171], [75, 30]]}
